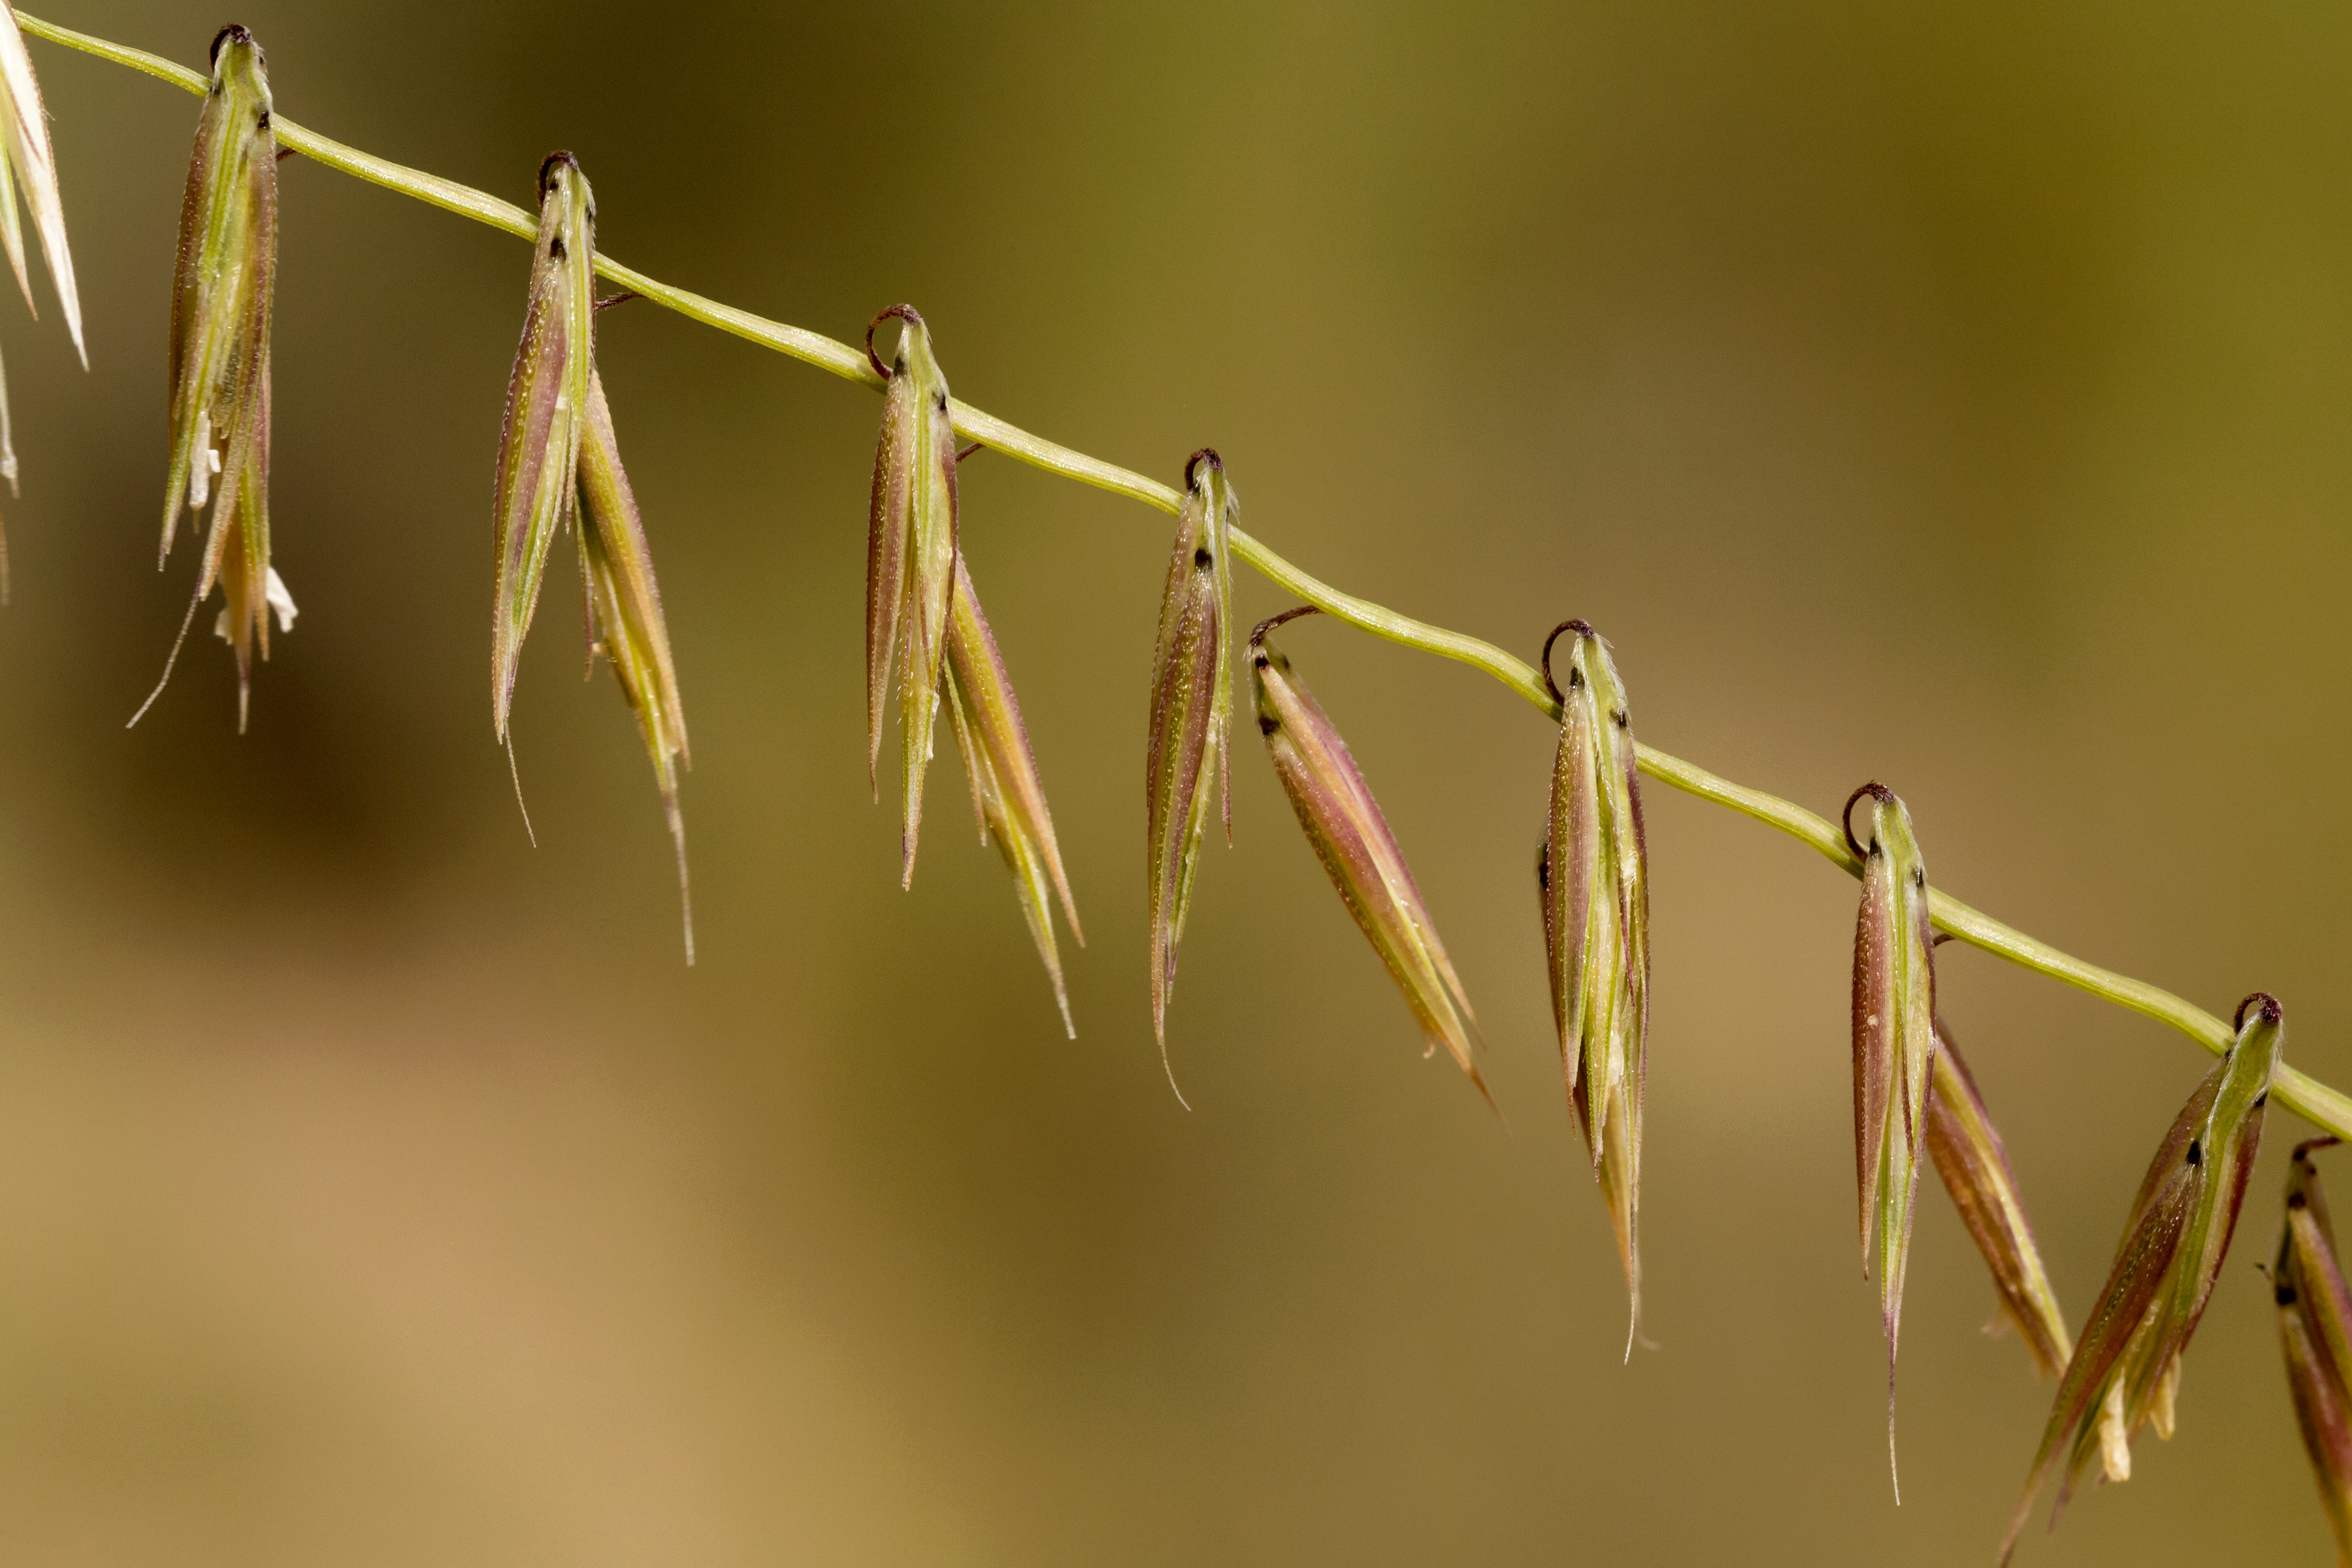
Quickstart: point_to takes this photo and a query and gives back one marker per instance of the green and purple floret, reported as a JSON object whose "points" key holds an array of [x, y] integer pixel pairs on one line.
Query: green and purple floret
{"points": [[1914, 1097], [1005, 793], [1351, 839], [911, 559], [1894, 1049], [1594, 875], [1187, 764], [1967, 1153]]}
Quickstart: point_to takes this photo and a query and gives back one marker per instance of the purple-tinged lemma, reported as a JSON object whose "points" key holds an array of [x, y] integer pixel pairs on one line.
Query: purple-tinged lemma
{"points": [[1187, 764], [221, 303], [624, 618], [911, 557], [25, 142], [546, 417], [2126, 1370], [1893, 1050], [2315, 1315], [1005, 793], [560, 468], [1350, 836], [1593, 874], [1966, 1148]]}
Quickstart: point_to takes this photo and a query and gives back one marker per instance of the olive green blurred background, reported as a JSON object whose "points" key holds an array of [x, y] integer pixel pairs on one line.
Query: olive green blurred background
{"points": [[1953, 396]]}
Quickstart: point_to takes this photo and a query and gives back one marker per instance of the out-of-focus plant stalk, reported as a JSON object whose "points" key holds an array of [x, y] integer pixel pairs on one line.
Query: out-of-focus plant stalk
{"points": [[2317, 1103]]}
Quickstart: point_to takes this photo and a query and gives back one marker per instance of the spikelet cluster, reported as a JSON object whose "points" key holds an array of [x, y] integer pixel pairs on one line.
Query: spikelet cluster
{"points": [[926, 635], [559, 471], [2126, 1370], [222, 298], [1916, 1102]]}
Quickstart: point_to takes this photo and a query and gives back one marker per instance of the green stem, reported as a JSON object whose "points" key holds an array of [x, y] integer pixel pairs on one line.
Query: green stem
{"points": [[2314, 1101]]}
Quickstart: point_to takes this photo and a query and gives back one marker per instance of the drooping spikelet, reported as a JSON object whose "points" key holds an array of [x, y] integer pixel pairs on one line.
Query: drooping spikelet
{"points": [[1967, 1150], [1594, 879], [1187, 764], [1893, 1050], [558, 468], [1344, 825], [911, 557], [2314, 1314], [221, 303], [1005, 793], [25, 144], [546, 416], [2126, 1370]]}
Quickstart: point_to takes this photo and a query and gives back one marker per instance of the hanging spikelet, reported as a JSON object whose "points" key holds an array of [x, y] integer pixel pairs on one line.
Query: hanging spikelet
{"points": [[2126, 1370], [1593, 874], [1344, 825], [558, 468], [1894, 1049], [221, 302], [1186, 764], [910, 556]]}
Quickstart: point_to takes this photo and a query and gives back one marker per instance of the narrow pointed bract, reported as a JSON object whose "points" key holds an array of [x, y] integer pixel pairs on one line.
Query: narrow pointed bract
{"points": [[1344, 825], [2314, 1314], [1187, 762], [559, 468], [1967, 1150], [1005, 793], [1893, 1050], [911, 559], [221, 307], [546, 417], [1593, 874], [2126, 1370], [24, 145], [624, 618], [25, 140]]}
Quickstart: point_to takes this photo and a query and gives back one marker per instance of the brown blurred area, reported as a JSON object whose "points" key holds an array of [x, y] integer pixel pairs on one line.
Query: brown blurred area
{"points": [[1956, 396]]}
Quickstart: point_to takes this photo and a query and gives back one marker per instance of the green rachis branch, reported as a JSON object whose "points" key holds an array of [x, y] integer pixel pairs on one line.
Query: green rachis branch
{"points": [[2316, 1102]]}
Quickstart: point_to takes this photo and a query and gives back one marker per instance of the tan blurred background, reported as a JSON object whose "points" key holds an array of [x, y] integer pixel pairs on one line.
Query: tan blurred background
{"points": [[1954, 396]]}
